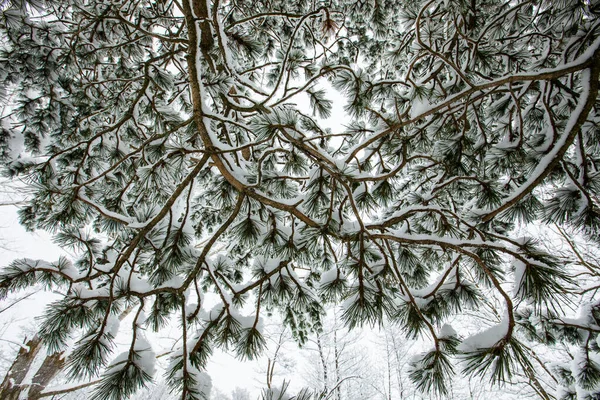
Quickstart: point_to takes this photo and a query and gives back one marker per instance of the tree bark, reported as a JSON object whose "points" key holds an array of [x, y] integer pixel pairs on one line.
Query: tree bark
{"points": [[12, 385], [323, 363], [52, 365]]}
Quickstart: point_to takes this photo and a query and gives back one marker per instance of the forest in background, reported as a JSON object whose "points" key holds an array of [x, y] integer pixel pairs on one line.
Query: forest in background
{"points": [[407, 189]]}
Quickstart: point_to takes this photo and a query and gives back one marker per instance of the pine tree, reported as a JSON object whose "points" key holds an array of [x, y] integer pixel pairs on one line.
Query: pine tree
{"points": [[166, 148]]}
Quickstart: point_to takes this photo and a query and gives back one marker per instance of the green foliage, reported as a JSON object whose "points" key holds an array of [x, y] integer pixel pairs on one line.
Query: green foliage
{"points": [[63, 316], [431, 372], [121, 380], [410, 319], [318, 102], [91, 353], [181, 152], [250, 344], [500, 361], [588, 374]]}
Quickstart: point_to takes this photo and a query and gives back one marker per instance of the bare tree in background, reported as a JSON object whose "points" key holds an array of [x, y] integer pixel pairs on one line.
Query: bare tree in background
{"points": [[167, 146], [338, 363]]}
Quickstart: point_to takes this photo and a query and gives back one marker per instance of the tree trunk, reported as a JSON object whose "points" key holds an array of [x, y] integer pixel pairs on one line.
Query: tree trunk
{"points": [[323, 363], [12, 385], [338, 389], [52, 365]]}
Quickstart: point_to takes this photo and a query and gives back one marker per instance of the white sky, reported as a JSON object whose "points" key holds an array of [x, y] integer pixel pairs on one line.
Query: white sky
{"points": [[227, 372]]}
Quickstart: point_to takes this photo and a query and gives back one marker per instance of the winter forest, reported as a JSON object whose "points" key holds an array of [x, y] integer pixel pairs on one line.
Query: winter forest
{"points": [[307, 200]]}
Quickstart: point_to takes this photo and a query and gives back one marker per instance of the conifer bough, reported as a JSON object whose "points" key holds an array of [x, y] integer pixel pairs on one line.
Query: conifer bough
{"points": [[165, 146]]}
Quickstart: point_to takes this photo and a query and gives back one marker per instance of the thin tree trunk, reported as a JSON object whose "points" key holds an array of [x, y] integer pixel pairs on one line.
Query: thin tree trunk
{"points": [[535, 383], [398, 366], [323, 363], [337, 363], [389, 369]]}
